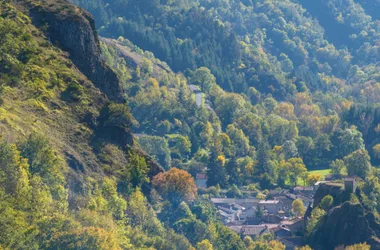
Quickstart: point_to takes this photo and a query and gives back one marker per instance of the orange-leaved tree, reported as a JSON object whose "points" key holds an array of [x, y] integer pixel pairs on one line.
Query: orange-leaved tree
{"points": [[175, 185]]}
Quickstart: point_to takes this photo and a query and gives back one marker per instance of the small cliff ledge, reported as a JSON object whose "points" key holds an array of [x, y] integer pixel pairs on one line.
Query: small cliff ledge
{"points": [[73, 30], [335, 190]]}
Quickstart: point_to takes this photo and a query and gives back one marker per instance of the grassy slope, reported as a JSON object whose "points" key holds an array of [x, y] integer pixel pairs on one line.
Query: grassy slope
{"points": [[40, 98]]}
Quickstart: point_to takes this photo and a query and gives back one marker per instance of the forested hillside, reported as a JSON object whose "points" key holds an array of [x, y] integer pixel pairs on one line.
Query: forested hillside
{"points": [[287, 87], [71, 174], [284, 80], [101, 138]]}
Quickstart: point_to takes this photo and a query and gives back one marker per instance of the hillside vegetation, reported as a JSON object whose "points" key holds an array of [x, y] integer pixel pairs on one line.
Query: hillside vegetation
{"points": [[256, 93], [66, 182], [284, 91]]}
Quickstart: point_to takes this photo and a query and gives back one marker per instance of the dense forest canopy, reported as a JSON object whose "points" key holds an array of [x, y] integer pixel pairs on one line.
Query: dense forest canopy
{"points": [[272, 72], [253, 94]]}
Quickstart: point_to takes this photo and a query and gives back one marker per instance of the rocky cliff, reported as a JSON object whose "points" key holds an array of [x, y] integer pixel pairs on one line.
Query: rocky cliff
{"points": [[335, 190], [344, 224], [73, 30], [68, 35]]}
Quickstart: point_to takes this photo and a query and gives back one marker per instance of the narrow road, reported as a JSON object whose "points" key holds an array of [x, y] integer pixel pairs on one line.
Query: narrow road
{"points": [[198, 99]]}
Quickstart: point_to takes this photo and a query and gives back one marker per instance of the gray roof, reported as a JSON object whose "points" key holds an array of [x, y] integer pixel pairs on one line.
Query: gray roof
{"points": [[268, 202], [233, 200], [250, 229]]}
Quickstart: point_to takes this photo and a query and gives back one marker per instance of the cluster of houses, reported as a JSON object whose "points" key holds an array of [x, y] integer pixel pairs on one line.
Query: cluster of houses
{"points": [[254, 217]]}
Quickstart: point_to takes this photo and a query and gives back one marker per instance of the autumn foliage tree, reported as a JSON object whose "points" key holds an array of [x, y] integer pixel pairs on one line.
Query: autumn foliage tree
{"points": [[175, 185]]}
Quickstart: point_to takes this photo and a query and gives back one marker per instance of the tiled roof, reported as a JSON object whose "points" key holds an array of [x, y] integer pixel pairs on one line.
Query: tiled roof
{"points": [[300, 188], [264, 202], [250, 229], [201, 176], [279, 228], [233, 200]]}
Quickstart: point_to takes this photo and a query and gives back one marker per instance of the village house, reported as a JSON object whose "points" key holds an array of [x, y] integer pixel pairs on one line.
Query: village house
{"points": [[281, 231], [267, 219], [307, 191], [227, 202], [240, 215], [270, 206], [296, 226], [250, 230], [201, 180]]}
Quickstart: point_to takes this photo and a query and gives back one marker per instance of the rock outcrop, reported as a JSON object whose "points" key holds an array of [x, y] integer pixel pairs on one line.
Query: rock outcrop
{"points": [[73, 30], [344, 225], [335, 190]]}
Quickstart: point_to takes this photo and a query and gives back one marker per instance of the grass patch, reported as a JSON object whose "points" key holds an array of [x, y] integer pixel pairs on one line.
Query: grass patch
{"points": [[321, 172]]}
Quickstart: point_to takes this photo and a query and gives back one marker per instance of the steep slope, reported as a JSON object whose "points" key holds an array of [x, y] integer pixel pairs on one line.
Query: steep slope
{"points": [[346, 223], [73, 30], [44, 92]]}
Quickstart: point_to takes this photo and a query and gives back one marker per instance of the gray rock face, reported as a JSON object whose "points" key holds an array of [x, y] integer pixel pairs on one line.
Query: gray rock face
{"points": [[336, 191], [344, 225], [73, 30]]}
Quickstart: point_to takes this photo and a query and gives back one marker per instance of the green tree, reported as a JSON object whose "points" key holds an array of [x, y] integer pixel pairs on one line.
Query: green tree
{"points": [[14, 174], [216, 171], [376, 151], [296, 169], [326, 202], [251, 126], [204, 245], [304, 248], [227, 239], [312, 223], [358, 164], [138, 170], [298, 207], [312, 179], [194, 229], [290, 149], [164, 127], [348, 141], [361, 246], [337, 167], [229, 105], [158, 148], [181, 146], [147, 65], [87, 238], [203, 77], [234, 192], [264, 170], [240, 141], [140, 215], [42, 159]]}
